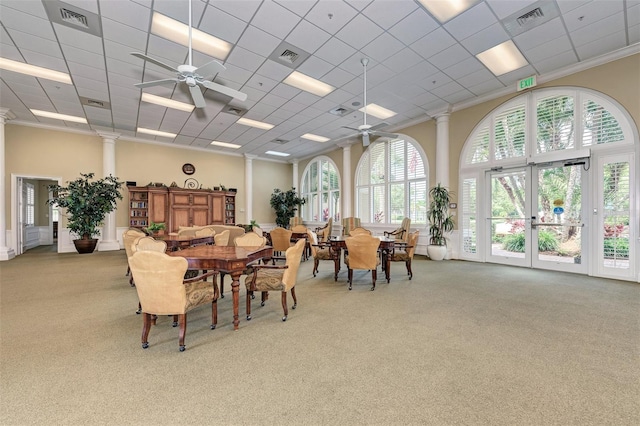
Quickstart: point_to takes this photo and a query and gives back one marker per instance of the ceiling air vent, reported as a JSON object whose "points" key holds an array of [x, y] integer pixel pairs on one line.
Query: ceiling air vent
{"points": [[280, 141], [95, 103], [340, 111], [73, 17], [531, 17], [234, 110], [289, 55]]}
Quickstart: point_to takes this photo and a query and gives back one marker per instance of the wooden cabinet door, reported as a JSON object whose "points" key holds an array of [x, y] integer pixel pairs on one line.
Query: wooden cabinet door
{"points": [[159, 207], [217, 209], [180, 216], [200, 216]]}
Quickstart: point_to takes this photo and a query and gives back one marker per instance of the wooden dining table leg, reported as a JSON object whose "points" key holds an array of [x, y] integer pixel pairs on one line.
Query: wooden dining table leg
{"points": [[336, 263], [235, 289]]}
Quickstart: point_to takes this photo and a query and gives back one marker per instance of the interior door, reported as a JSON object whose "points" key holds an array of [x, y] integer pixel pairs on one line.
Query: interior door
{"points": [[537, 216]]}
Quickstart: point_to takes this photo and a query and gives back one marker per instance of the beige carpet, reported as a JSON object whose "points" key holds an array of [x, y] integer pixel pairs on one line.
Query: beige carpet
{"points": [[461, 344]]}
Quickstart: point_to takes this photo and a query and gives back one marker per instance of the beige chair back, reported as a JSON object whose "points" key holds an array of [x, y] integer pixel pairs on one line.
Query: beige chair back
{"points": [[359, 231], [222, 239], [159, 280], [299, 228], [313, 240], [363, 251], [349, 223], [280, 239], [205, 232], [149, 244], [295, 221], [258, 231], [128, 238], [412, 241], [325, 232], [250, 239], [293, 256]]}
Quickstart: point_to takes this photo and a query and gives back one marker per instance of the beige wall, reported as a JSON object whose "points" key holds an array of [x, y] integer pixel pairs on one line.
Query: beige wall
{"points": [[36, 152], [39, 152]]}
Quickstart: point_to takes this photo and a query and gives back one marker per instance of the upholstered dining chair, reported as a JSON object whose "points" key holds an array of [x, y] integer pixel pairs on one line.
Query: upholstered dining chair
{"points": [[362, 254], [324, 232], [359, 231], [280, 241], [148, 244], [266, 278], [205, 232], [319, 250], [299, 228], [222, 239], [250, 239], [128, 237], [162, 290], [257, 230], [401, 233], [349, 223], [406, 255]]}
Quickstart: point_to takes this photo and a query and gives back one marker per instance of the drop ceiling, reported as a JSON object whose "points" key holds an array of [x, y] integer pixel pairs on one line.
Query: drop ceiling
{"points": [[417, 67]]}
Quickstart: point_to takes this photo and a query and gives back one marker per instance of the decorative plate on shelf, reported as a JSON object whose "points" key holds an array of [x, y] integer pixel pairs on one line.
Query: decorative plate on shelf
{"points": [[188, 169]]}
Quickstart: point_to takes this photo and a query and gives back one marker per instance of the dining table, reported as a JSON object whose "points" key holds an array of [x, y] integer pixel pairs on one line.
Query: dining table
{"points": [[230, 260], [178, 242], [338, 244]]}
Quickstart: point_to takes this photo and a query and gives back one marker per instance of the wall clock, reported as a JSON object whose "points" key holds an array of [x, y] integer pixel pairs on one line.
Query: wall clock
{"points": [[188, 169]]}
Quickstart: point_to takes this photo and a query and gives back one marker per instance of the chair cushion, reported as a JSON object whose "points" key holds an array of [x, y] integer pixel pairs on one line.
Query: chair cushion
{"points": [[323, 254], [268, 280], [198, 293], [400, 256], [346, 260]]}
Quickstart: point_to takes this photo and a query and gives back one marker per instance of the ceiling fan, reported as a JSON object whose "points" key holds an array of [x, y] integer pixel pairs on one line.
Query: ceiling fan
{"points": [[366, 129], [191, 75]]}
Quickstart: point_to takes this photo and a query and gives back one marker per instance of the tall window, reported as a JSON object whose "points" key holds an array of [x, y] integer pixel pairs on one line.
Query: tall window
{"points": [[321, 189], [391, 183], [30, 207]]}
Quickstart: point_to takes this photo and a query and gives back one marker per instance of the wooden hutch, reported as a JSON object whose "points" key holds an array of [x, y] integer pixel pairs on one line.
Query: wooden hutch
{"points": [[177, 207]]}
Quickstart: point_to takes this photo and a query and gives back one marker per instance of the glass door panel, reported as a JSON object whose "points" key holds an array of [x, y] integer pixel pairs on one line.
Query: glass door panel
{"points": [[556, 228], [508, 224]]}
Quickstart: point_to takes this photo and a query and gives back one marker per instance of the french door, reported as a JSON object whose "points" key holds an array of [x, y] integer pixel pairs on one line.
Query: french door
{"points": [[537, 216]]}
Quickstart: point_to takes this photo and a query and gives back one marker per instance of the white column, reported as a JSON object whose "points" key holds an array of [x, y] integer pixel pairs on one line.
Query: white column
{"points": [[6, 253], [248, 186], [295, 176], [109, 241], [346, 179], [442, 149]]}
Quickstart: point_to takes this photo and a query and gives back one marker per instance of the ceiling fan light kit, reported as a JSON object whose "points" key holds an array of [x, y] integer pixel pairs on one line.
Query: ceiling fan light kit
{"points": [[365, 130], [192, 76]]}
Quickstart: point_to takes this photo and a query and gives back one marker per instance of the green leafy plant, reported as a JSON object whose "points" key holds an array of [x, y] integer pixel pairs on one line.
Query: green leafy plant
{"points": [[547, 241], [285, 204], [153, 228], [87, 202], [440, 221]]}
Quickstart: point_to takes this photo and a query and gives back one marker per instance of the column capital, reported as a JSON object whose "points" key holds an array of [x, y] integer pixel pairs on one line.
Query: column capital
{"points": [[108, 135], [250, 156], [346, 144], [294, 161], [6, 114]]}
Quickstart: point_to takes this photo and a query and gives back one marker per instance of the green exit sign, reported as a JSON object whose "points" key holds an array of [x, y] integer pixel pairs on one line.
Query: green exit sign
{"points": [[527, 83]]}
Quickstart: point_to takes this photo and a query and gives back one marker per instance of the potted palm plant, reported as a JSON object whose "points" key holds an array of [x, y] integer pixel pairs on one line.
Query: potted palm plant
{"points": [[87, 203], [440, 221]]}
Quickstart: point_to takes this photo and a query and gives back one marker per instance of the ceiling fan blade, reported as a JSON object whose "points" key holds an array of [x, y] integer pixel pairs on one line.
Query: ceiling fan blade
{"points": [[157, 82], [198, 99], [351, 128], [378, 126], [210, 69], [223, 89], [365, 139], [154, 61], [384, 134]]}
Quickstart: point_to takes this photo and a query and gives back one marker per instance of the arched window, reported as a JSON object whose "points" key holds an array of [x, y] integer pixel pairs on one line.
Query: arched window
{"points": [[391, 183], [321, 188]]}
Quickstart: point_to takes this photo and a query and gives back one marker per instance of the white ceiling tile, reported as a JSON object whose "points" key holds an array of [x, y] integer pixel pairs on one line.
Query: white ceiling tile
{"points": [[123, 35], [331, 16], [475, 78], [601, 45], [258, 41], [72, 54], [434, 42], [541, 34], [235, 74], [548, 49], [17, 20], [261, 83], [415, 26], [243, 58], [337, 77], [80, 39], [335, 51], [556, 62], [45, 61], [133, 15], [270, 12], [387, 13], [463, 68], [31, 7], [485, 39], [315, 67], [35, 44], [240, 9], [590, 13], [222, 25], [307, 36], [273, 70], [299, 7], [382, 47], [602, 28], [450, 56], [166, 51], [471, 22], [359, 32], [90, 73]]}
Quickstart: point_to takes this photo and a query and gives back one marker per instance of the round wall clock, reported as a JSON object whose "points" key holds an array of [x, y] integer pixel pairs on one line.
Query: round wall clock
{"points": [[188, 169]]}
